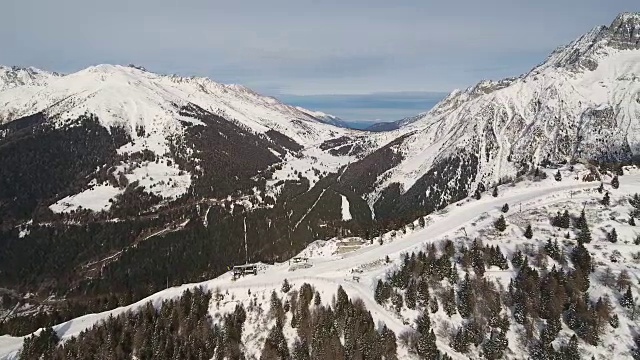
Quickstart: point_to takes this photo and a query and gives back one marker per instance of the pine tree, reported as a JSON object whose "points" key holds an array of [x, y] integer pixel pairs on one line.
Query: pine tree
{"points": [[285, 286], [380, 292], [601, 188], [275, 346], [410, 295], [570, 351], [612, 236], [627, 299], [423, 292], [495, 191], [427, 348], [615, 182], [501, 224], [494, 347], [528, 233], [581, 222], [389, 345], [466, 303], [505, 208], [632, 221], [421, 222], [606, 200], [460, 342], [558, 176], [581, 258], [396, 300], [300, 350], [454, 277], [614, 321], [584, 237]]}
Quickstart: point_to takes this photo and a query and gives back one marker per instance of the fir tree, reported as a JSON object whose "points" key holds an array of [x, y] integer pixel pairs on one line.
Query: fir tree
{"points": [[426, 346], [558, 176], [410, 295], [300, 350], [615, 183], [601, 188], [581, 222], [495, 346], [606, 200], [275, 346], [423, 292], [570, 351], [466, 303], [460, 342], [495, 191], [612, 236], [505, 208], [627, 299], [285, 286], [528, 233], [632, 221], [584, 237], [500, 224], [614, 321]]}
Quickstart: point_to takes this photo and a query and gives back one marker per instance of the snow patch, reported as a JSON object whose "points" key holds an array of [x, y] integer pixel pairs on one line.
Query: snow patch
{"points": [[346, 211], [95, 199]]}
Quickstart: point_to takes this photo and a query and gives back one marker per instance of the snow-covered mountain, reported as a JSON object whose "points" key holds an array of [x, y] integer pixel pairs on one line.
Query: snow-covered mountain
{"points": [[131, 97], [582, 103], [324, 117], [16, 76]]}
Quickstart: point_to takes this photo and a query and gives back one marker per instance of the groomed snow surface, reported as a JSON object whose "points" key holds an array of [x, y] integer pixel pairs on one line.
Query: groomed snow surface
{"points": [[329, 267]]}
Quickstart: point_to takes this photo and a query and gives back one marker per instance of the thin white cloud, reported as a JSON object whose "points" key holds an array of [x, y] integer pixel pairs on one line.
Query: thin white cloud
{"points": [[302, 46]]}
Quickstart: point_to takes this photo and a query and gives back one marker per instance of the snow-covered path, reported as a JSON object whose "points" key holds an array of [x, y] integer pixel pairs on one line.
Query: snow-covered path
{"points": [[336, 271]]}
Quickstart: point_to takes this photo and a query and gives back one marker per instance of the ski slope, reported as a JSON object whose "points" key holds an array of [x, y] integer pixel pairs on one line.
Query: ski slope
{"points": [[330, 270]]}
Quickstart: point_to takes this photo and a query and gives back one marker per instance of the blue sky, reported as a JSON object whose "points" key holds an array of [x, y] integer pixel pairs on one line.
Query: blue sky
{"points": [[379, 50]]}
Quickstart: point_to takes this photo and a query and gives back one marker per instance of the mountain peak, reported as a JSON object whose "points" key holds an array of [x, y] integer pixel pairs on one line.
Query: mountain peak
{"points": [[585, 52], [13, 76]]}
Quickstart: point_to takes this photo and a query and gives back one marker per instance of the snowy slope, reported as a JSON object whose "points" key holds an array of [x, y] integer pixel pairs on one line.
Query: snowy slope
{"points": [[130, 97], [150, 108], [11, 77], [582, 103], [536, 201]]}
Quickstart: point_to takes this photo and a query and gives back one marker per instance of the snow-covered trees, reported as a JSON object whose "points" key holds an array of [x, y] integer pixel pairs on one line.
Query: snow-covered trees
{"points": [[627, 298], [426, 347], [528, 233], [285, 286], [505, 208], [615, 182], [500, 224]]}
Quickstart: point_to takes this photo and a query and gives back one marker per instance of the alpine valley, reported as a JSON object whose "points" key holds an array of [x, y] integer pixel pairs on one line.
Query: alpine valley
{"points": [[119, 185]]}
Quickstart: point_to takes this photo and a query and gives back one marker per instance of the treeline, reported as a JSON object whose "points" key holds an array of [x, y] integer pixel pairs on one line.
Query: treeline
{"points": [[184, 329]]}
